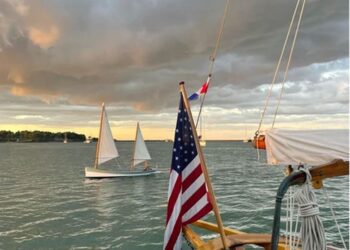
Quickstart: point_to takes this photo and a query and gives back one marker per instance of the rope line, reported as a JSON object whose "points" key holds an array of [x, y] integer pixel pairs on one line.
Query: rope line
{"points": [[334, 218], [278, 66], [213, 55], [289, 61]]}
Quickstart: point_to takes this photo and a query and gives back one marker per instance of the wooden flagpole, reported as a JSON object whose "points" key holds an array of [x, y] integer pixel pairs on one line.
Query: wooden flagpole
{"points": [[203, 166]]}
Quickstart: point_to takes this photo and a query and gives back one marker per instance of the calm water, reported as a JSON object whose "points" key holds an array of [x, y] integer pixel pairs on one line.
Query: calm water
{"points": [[45, 202]]}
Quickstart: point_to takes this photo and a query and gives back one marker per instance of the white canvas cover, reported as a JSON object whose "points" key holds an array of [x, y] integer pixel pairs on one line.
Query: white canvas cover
{"points": [[107, 148], [141, 153], [313, 147]]}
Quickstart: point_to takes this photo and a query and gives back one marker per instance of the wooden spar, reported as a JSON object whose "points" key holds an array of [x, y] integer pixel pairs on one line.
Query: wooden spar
{"points": [[194, 238], [133, 154], [331, 169], [203, 166], [228, 231], [99, 136]]}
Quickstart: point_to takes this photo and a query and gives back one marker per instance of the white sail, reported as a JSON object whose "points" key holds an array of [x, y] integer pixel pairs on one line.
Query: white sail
{"points": [[141, 153], [312, 147], [106, 146]]}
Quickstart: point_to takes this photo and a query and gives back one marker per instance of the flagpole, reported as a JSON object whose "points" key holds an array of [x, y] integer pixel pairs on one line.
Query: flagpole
{"points": [[203, 166]]}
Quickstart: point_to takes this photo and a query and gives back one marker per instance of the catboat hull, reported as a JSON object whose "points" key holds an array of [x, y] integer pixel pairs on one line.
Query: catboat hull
{"points": [[99, 173]]}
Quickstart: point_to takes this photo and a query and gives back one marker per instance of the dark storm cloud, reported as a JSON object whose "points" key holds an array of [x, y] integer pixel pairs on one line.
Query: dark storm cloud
{"points": [[133, 53]]}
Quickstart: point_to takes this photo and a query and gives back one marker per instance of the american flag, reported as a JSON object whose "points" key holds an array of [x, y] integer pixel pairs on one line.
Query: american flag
{"points": [[188, 198]]}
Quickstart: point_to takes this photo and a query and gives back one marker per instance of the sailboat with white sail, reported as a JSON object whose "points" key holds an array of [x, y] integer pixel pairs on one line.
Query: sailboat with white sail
{"points": [[106, 150], [65, 140]]}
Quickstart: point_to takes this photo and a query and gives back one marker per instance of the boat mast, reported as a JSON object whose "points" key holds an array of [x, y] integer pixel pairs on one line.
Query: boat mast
{"points": [[133, 154], [99, 136]]}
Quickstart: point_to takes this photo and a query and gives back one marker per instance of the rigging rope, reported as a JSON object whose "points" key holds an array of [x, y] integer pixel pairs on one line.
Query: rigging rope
{"points": [[289, 60], [278, 66], [213, 55], [334, 218]]}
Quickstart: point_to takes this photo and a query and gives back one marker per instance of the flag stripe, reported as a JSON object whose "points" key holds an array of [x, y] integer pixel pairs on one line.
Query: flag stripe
{"points": [[173, 220], [196, 197], [176, 231], [205, 210], [194, 186], [190, 167], [195, 208], [191, 178], [174, 195]]}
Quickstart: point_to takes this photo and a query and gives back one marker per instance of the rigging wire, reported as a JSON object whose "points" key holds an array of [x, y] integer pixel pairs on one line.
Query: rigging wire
{"points": [[278, 66], [289, 61], [213, 56], [333, 215]]}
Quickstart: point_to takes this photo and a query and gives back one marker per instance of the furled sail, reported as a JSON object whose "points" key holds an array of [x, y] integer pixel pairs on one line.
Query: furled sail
{"points": [[311, 147], [141, 153], [106, 146]]}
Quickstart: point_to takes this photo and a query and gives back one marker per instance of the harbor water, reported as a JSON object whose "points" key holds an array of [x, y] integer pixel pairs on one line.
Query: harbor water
{"points": [[46, 203]]}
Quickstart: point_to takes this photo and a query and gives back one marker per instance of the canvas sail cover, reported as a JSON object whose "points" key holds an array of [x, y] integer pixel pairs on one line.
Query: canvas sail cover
{"points": [[141, 152], [107, 149], [313, 147]]}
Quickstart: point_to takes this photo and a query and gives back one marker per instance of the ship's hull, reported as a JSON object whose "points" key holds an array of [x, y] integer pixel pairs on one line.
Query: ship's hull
{"points": [[100, 173]]}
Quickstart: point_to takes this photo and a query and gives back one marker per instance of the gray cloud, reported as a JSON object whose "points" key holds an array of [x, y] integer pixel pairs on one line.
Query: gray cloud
{"points": [[132, 54]]}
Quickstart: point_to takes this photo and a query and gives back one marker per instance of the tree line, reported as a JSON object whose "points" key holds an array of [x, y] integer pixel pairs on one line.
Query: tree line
{"points": [[39, 136]]}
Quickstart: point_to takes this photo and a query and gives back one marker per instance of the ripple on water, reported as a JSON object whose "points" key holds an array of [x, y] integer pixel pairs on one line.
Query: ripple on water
{"points": [[46, 203]]}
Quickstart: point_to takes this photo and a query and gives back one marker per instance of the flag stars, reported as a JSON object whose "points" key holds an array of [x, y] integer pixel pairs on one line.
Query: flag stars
{"points": [[177, 130], [192, 152], [176, 158], [186, 160], [185, 151], [179, 139], [174, 150]]}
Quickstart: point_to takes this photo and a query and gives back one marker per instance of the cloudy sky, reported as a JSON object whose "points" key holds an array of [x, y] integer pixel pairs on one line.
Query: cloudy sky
{"points": [[60, 59]]}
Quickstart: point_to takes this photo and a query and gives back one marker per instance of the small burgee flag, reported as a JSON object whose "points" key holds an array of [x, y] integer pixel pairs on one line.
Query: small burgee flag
{"points": [[188, 198], [200, 91]]}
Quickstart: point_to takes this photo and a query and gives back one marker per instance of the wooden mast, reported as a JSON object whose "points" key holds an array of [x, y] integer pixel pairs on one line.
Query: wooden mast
{"points": [[99, 136], [133, 154], [203, 166]]}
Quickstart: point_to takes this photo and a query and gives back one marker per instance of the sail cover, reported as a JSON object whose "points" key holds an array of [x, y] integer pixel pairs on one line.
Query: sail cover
{"points": [[313, 147], [141, 153], [107, 149]]}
